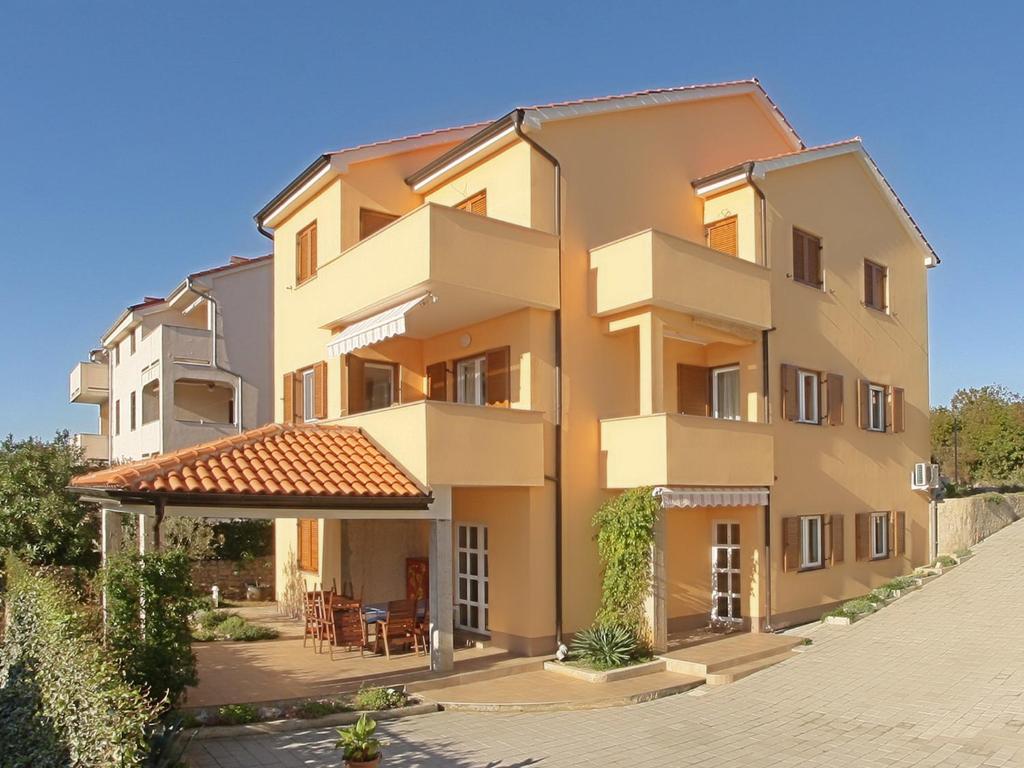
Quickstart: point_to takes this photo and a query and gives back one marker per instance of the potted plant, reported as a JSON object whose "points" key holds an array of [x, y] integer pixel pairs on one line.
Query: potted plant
{"points": [[358, 746], [258, 591]]}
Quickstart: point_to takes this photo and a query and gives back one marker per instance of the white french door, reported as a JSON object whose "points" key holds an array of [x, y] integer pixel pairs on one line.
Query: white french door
{"points": [[472, 590], [726, 603]]}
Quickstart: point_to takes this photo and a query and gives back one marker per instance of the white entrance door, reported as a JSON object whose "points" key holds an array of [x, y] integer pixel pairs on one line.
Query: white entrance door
{"points": [[472, 569], [725, 572]]}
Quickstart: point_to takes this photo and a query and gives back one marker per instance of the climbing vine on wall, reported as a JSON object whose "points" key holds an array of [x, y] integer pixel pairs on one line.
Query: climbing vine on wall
{"points": [[625, 532]]}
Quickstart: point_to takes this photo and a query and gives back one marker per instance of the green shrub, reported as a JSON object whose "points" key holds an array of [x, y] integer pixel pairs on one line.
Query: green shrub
{"points": [[310, 710], [880, 594], [625, 532], [154, 652], [963, 552], [899, 583], [213, 619], [858, 606], [238, 714], [63, 700], [243, 539], [380, 698], [605, 646], [944, 561], [237, 628]]}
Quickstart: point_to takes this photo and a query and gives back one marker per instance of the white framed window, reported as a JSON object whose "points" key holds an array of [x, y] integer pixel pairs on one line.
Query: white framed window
{"points": [[808, 391], [725, 393], [879, 535], [308, 395], [469, 380], [810, 541], [379, 385], [876, 408]]}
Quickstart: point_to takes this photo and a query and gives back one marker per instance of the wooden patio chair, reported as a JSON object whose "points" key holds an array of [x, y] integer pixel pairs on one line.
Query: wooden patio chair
{"points": [[399, 624], [325, 620], [349, 628], [311, 626], [421, 633]]}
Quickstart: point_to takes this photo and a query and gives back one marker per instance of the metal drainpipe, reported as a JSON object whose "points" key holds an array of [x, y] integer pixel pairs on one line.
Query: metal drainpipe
{"points": [[517, 124], [214, 313]]}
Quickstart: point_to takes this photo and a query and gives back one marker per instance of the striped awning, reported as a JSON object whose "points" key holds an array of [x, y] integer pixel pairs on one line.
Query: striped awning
{"points": [[383, 325], [686, 498]]}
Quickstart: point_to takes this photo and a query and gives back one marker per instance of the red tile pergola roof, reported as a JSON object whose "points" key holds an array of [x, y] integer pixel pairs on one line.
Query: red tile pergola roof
{"points": [[273, 461]]}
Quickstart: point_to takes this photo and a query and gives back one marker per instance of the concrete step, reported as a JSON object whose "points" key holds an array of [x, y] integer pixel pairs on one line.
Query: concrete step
{"points": [[732, 674], [709, 658]]}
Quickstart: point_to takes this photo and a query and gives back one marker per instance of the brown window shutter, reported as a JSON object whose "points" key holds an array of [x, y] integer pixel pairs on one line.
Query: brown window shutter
{"points": [[498, 383], [475, 203], [901, 532], [863, 521], [312, 249], [723, 236], [791, 544], [826, 540], [692, 392], [354, 377], [314, 546], [437, 381], [806, 258], [288, 388], [799, 272], [834, 383], [790, 393], [899, 407], [373, 221], [863, 404], [320, 390], [838, 539]]}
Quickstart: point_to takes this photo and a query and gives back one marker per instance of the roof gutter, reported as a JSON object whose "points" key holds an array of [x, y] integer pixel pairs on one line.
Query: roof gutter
{"points": [[253, 500], [314, 168], [478, 142], [517, 125]]}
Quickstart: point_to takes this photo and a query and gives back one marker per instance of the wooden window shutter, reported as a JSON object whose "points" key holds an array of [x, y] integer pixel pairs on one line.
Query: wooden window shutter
{"points": [[791, 545], [373, 221], [320, 390], [288, 387], [863, 404], [305, 253], [309, 545], [834, 384], [900, 538], [837, 539], [723, 236], [692, 390], [826, 541], [806, 258], [354, 377], [899, 407], [799, 270], [498, 384], [863, 521], [790, 393], [437, 381], [475, 204]]}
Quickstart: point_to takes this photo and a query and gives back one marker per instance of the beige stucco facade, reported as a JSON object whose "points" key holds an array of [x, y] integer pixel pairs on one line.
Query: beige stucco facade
{"points": [[639, 293]]}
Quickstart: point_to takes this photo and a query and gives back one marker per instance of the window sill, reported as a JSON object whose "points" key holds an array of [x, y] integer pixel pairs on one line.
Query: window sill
{"points": [[819, 287], [307, 281], [809, 568], [807, 421], [876, 558]]}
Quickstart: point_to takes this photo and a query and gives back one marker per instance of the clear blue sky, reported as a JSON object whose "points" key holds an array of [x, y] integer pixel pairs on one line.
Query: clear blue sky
{"points": [[137, 139]]}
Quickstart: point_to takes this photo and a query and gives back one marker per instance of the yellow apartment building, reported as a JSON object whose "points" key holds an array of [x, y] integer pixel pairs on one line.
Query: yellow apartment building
{"points": [[666, 289]]}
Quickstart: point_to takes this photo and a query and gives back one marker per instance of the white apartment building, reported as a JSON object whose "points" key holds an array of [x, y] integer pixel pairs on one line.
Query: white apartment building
{"points": [[182, 369]]}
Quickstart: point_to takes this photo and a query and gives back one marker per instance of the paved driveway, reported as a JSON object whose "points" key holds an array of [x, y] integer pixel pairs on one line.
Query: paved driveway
{"points": [[936, 679]]}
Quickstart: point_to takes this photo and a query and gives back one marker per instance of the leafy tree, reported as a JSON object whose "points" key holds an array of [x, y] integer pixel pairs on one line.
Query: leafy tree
{"points": [[39, 519], [990, 425]]}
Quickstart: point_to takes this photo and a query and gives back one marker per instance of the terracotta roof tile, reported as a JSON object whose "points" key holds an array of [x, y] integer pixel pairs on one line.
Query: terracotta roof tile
{"points": [[309, 460]]}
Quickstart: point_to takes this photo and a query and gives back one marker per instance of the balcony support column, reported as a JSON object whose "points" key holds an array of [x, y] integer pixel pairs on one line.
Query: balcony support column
{"points": [[656, 605], [112, 534], [651, 336], [442, 626]]}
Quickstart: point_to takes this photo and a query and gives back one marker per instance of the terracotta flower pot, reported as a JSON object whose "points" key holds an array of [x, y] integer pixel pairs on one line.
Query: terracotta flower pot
{"points": [[363, 763]]}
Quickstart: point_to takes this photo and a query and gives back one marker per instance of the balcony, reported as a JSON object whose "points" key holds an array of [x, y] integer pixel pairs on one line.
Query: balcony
{"points": [[455, 444], [673, 449], [475, 267], [654, 269], [95, 448], [88, 383]]}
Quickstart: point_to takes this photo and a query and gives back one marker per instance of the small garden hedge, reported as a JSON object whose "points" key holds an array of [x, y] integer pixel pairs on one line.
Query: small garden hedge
{"points": [[63, 701]]}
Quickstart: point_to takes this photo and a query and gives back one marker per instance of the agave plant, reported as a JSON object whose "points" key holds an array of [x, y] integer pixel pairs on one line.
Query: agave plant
{"points": [[605, 646]]}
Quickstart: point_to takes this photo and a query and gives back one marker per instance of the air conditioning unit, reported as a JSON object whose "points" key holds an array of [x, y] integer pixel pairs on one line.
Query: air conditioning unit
{"points": [[925, 476]]}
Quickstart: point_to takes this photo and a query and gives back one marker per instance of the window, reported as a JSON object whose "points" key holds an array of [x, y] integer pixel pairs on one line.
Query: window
{"points": [[117, 417], [378, 385], [879, 535], [475, 203], [811, 541], [726, 392], [806, 258], [876, 408], [131, 343], [722, 236], [309, 545], [308, 395], [117, 354], [305, 253], [131, 411], [808, 391], [372, 221], [875, 286], [469, 380]]}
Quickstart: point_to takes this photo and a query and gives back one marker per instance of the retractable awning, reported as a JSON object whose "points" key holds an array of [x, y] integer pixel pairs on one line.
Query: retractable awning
{"points": [[686, 498], [383, 325]]}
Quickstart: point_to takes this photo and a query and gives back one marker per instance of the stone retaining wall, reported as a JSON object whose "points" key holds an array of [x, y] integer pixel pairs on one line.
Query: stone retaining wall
{"points": [[232, 576], [964, 522]]}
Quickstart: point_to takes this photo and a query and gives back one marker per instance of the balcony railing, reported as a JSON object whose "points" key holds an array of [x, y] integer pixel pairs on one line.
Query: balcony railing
{"points": [[88, 383], [95, 448], [454, 444], [654, 269], [673, 449]]}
